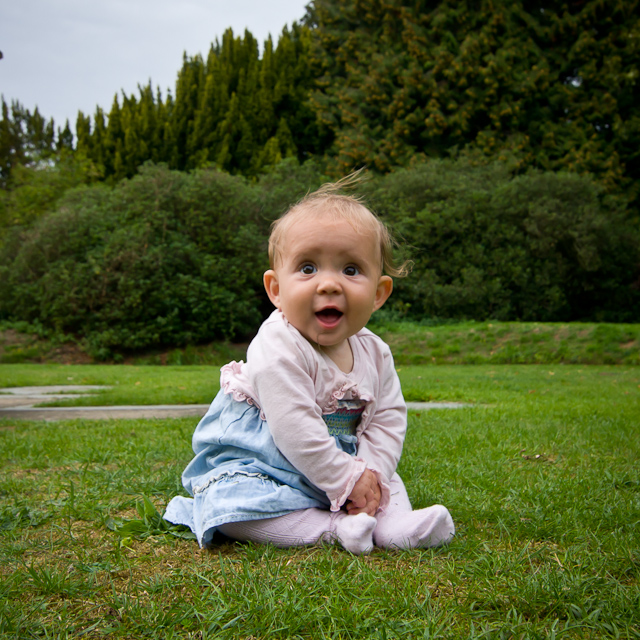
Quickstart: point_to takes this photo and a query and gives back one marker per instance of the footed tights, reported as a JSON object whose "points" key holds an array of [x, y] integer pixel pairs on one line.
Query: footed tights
{"points": [[398, 527]]}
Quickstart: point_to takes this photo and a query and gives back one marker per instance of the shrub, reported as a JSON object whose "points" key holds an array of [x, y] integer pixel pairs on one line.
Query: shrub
{"points": [[166, 258], [490, 244], [170, 258]]}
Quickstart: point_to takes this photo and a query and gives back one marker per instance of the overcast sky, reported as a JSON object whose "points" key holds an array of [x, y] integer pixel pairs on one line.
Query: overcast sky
{"points": [[68, 55]]}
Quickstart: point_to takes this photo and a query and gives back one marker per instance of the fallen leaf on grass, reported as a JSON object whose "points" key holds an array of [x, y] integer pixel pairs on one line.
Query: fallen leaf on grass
{"points": [[540, 457]]}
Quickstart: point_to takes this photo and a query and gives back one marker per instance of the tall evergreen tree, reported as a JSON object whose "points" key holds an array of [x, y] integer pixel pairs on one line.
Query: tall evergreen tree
{"points": [[10, 145], [25, 138], [83, 134], [237, 110], [188, 86], [65, 139], [556, 81]]}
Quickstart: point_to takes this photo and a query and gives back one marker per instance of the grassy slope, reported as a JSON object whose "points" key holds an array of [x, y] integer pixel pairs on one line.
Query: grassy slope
{"points": [[513, 343], [541, 476], [464, 343]]}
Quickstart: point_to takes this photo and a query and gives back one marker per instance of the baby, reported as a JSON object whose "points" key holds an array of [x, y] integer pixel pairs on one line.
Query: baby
{"points": [[302, 442]]}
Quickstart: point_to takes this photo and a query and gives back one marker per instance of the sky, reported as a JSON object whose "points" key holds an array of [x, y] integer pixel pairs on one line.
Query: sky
{"points": [[69, 55]]}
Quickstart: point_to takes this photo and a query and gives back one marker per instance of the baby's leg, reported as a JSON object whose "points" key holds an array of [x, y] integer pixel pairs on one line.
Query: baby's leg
{"points": [[402, 528], [307, 527]]}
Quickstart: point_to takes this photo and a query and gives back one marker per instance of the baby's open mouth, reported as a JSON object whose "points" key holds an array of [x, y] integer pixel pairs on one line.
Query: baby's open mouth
{"points": [[329, 317]]}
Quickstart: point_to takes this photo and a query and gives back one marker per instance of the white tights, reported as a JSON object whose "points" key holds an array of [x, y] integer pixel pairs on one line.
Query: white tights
{"points": [[398, 527]]}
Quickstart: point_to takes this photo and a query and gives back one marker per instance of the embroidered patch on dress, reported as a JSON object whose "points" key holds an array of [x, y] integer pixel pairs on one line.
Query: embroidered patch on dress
{"points": [[344, 421]]}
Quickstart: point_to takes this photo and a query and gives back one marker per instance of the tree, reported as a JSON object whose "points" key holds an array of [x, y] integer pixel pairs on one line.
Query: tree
{"points": [[25, 139], [556, 81], [236, 110], [35, 190]]}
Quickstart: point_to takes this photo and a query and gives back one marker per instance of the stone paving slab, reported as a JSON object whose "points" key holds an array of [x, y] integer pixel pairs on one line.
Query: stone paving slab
{"points": [[51, 414], [26, 397], [48, 390], [17, 403]]}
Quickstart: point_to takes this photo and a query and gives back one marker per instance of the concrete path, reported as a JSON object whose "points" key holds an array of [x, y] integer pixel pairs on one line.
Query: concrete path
{"points": [[26, 397], [18, 403]]}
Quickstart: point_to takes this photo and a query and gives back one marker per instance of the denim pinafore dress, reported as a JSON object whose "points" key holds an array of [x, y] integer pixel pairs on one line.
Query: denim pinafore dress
{"points": [[239, 474]]}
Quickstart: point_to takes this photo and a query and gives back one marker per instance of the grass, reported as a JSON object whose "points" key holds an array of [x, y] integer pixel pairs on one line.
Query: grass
{"points": [[462, 343], [482, 384], [513, 343], [129, 384], [541, 476]]}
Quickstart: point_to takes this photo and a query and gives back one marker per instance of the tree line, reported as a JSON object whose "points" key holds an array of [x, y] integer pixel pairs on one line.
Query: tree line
{"points": [[235, 109], [382, 83], [502, 139]]}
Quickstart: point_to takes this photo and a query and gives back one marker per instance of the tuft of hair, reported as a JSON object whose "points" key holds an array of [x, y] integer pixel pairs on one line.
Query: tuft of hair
{"points": [[330, 201]]}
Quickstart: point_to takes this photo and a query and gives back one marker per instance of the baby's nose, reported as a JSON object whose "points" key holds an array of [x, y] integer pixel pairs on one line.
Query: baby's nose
{"points": [[328, 283]]}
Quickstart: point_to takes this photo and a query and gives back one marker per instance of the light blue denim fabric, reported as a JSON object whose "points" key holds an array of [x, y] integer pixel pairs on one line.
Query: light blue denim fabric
{"points": [[239, 474]]}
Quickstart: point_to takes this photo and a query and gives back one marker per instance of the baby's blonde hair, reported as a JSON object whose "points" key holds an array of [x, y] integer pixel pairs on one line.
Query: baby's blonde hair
{"points": [[328, 201]]}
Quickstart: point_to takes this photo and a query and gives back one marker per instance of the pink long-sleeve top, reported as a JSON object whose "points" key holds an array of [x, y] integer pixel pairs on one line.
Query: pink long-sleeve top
{"points": [[294, 383]]}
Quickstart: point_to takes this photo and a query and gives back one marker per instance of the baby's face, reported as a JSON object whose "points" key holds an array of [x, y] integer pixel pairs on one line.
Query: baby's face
{"points": [[328, 280]]}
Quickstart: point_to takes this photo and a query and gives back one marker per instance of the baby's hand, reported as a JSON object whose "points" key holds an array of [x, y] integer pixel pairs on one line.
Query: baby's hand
{"points": [[366, 494]]}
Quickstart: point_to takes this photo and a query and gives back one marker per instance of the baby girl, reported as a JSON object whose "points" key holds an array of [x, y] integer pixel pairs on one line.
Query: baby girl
{"points": [[302, 442]]}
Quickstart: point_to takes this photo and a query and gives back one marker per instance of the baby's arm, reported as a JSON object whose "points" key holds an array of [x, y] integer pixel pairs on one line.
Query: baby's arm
{"points": [[380, 443], [365, 496]]}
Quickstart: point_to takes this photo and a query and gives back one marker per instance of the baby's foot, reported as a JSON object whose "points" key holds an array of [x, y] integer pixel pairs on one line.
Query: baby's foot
{"points": [[430, 527], [355, 533]]}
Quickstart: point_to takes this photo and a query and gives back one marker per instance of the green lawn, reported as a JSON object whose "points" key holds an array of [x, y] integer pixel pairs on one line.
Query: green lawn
{"points": [[541, 474], [477, 384], [129, 384]]}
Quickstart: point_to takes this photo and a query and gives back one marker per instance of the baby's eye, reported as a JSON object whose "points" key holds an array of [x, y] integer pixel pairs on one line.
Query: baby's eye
{"points": [[308, 269], [351, 271]]}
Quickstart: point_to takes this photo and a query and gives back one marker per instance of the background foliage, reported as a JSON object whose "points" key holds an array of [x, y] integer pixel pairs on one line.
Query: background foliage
{"points": [[502, 138], [381, 83], [172, 258], [557, 80], [131, 267], [489, 243]]}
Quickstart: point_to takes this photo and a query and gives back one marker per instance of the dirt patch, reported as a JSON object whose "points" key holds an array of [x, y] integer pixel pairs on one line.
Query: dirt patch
{"points": [[68, 354], [562, 333], [20, 347]]}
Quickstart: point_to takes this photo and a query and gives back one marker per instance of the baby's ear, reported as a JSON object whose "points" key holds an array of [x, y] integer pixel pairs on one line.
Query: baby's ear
{"points": [[272, 287], [385, 287]]}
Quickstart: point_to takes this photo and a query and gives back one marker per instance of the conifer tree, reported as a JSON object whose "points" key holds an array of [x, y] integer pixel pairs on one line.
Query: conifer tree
{"points": [[99, 139], [25, 139], [10, 145], [83, 135], [557, 82], [190, 80], [113, 161], [65, 139]]}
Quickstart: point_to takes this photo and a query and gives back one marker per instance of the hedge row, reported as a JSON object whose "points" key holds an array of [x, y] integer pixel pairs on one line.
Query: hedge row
{"points": [[170, 258]]}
